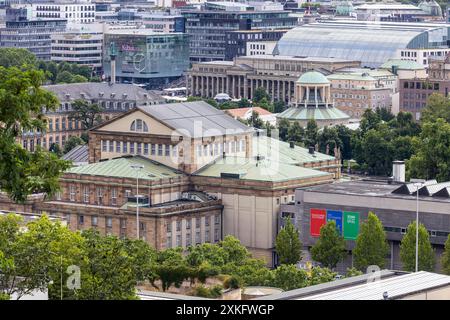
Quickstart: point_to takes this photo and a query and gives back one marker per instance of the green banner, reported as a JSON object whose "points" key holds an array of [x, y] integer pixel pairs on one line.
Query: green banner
{"points": [[351, 225]]}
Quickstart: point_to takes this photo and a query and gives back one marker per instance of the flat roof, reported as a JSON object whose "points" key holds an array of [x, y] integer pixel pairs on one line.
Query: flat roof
{"points": [[295, 58], [372, 188]]}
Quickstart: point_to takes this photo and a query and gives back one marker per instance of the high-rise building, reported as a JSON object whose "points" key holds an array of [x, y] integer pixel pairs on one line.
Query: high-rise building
{"points": [[74, 11], [24, 31], [208, 28], [81, 44]]}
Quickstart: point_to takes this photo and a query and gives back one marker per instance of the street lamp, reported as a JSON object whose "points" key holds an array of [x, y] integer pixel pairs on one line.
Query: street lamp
{"points": [[137, 167]]}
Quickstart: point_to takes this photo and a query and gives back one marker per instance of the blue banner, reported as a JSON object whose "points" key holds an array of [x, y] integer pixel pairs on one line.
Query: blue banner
{"points": [[337, 217]]}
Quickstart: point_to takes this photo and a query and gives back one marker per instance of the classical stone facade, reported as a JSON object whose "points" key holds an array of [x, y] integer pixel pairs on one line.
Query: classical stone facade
{"points": [[241, 77], [114, 99]]}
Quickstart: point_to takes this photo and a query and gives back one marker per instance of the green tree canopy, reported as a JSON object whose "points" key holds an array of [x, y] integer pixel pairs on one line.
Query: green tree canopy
{"points": [[408, 249], [438, 106], [311, 133], [21, 103], [329, 249], [431, 159], [260, 94], [289, 277], [287, 244], [72, 142], [445, 258], [371, 245], [296, 133], [15, 57], [89, 114]]}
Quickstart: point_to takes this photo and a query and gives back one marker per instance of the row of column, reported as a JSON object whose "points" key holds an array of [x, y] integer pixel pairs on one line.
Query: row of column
{"points": [[238, 87]]}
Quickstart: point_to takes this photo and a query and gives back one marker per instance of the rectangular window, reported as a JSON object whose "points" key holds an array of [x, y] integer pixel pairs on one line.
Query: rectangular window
{"points": [[100, 196], [104, 145], [169, 241], [188, 239], [108, 222], [197, 237], [178, 240], [86, 195], [118, 146], [207, 221], [72, 193], [111, 145], [94, 221], [113, 196], [139, 148], [169, 226], [178, 225], [153, 149], [197, 223], [146, 148], [188, 224], [216, 235], [167, 150], [207, 236], [81, 220], [125, 147], [199, 150], [132, 147], [205, 150], [217, 219], [123, 223], [160, 149]]}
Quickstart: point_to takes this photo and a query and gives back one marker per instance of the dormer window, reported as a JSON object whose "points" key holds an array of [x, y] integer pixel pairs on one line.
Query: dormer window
{"points": [[139, 126]]}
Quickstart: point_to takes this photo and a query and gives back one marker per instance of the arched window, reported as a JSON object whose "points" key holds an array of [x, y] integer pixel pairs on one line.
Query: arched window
{"points": [[139, 126]]}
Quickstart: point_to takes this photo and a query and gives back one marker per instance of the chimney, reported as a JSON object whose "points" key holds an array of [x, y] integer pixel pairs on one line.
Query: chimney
{"points": [[311, 149], [291, 144], [398, 171]]}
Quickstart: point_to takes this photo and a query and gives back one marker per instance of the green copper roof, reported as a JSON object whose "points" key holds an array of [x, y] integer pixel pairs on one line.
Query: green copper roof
{"points": [[121, 168], [281, 151], [313, 77], [320, 114], [261, 170], [402, 64]]}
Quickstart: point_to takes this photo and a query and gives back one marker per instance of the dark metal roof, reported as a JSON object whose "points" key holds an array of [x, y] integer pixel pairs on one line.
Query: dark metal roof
{"points": [[78, 154]]}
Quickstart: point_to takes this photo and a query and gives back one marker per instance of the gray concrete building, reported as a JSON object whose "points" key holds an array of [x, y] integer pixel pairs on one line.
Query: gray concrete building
{"points": [[348, 203]]}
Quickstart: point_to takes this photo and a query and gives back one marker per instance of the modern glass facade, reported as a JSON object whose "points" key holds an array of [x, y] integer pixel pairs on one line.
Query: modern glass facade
{"points": [[372, 44], [208, 29], [144, 57]]}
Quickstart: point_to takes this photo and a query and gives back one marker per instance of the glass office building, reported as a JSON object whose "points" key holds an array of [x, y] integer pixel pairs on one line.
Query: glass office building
{"points": [[370, 43], [145, 57]]}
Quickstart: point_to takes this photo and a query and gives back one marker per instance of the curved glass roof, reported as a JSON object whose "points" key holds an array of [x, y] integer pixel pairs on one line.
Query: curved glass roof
{"points": [[371, 44], [318, 114]]}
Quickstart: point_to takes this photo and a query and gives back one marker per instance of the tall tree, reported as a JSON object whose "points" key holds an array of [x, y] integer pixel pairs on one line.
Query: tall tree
{"points": [[371, 246], [345, 136], [283, 129], [369, 120], [431, 159], [72, 142], [21, 103], [404, 124], [296, 133], [384, 114], [311, 133], [329, 249], [287, 244], [260, 94], [438, 106], [255, 121], [408, 249], [15, 57], [89, 114], [445, 258], [328, 139]]}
